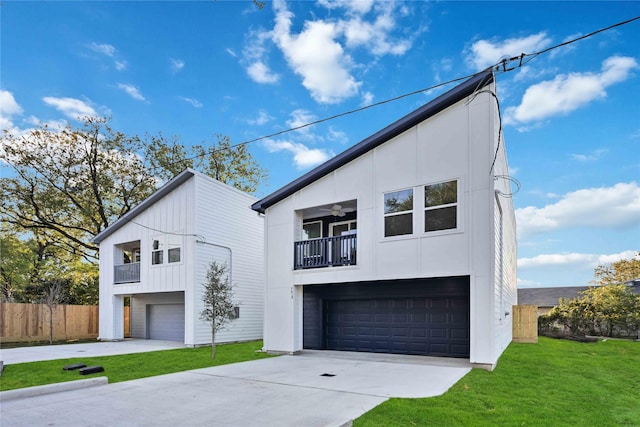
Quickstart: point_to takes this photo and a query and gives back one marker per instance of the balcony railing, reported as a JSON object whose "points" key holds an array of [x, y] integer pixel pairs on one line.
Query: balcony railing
{"points": [[326, 252], [126, 273]]}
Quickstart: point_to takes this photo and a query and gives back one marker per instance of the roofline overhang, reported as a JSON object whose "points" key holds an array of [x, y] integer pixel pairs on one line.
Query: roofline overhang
{"points": [[171, 185], [405, 123]]}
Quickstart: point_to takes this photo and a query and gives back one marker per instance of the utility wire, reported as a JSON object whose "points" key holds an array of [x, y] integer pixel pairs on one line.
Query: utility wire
{"points": [[500, 67]]}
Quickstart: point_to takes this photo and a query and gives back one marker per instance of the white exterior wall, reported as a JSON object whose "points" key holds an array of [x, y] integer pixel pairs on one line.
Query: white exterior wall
{"points": [[457, 143], [199, 208], [233, 234], [172, 213]]}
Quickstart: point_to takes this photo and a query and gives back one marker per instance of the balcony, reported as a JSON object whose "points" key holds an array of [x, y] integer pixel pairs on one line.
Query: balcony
{"points": [[126, 273], [325, 252]]}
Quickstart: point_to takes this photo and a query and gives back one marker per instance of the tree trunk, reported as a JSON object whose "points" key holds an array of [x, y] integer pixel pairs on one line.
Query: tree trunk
{"points": [[213, 341], [50, 325]]}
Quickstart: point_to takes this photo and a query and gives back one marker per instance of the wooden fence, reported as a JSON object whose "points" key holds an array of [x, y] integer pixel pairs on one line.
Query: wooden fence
{"points": [[525, 323], [30, 322]]}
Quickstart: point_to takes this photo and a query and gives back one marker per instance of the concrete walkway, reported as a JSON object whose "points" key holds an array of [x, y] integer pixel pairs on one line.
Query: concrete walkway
{"points": [[99, 348], [311, 389]]}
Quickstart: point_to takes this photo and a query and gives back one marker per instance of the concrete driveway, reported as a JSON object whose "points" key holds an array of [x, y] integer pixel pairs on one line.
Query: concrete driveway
{"points": [[98, 348], [310, 389]]}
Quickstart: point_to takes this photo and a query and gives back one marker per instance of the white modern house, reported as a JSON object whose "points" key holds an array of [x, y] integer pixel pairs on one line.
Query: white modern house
{"points": [[158, 254], [404, 243]]}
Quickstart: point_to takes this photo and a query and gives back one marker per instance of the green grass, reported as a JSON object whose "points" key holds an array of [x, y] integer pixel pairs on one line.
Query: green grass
{"points": [[129, 366], [552, 383]]}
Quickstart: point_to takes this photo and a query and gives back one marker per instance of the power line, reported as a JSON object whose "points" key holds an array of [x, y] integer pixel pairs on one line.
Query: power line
{"points": [[497, 68]]}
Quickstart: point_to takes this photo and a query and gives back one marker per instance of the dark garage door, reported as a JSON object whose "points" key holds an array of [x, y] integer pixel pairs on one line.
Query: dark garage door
{"points": [[384, 322]]}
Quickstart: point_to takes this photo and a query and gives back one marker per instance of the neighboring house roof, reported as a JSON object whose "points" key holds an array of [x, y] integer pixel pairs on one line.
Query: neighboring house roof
{"points": [[430, 109], [149, 201], [548, 297]]}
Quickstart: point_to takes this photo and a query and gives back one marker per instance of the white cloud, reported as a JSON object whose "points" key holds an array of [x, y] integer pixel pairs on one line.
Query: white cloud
{"points": [[568, 92], [103, 48], [367, 99], [590, 157], [484, 53], [260, 73], [316, 57], [356, 7], [71, 107], [9, 108], [303, 156], [606, 207], [375, 35], [194, 102], [231, 52], [109, 51], [574, 259], [262, 119], [176, 64], [337, 136], [132, 91]]}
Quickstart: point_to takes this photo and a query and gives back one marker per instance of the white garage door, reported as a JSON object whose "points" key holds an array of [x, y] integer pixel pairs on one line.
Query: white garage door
{"points": [[166, 322]]}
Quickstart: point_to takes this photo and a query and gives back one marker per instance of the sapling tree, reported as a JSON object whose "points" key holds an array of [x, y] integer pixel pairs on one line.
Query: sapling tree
{"points": [[53, 294], [218, 300]]}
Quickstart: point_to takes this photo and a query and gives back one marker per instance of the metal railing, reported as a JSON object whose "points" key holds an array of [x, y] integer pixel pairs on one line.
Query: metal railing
{"points": [[126, 273], [325, 252]]}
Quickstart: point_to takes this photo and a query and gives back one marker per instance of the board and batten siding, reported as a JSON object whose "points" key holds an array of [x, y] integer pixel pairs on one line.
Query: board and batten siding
{"points": [[173, 214], [231, 233]]}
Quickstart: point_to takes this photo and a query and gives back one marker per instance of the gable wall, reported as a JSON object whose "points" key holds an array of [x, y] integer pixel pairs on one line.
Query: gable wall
{"points": [[457, 144]]}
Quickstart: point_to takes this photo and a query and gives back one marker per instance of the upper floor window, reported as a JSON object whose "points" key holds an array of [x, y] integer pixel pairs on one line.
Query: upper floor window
{"points": [[441, 206], [398, 213], [166, 247]]}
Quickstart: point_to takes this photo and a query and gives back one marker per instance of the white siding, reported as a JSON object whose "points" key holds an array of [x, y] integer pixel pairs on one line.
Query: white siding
{"points": [[456, 144], [209, 217], [232, 233]]}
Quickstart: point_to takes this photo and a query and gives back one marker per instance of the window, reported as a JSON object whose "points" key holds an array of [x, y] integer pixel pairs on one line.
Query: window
{"points": [[398, 213], [157, 251], [312, 230], [171, 244], [441, 206]]}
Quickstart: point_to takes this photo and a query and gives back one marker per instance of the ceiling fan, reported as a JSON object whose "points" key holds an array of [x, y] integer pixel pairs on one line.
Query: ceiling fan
{"points": [[337, 210]]}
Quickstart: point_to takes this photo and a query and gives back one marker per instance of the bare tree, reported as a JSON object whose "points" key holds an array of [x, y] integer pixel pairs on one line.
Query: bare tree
{"points": [[53, 294], [218, 300]]}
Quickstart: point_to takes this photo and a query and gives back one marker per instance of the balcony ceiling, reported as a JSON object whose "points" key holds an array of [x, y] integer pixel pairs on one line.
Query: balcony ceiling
{"points": [[325, 210]]}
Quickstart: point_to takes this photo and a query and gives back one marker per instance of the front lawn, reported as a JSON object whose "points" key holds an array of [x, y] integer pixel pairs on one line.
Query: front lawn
{"points": [[129, 366], [552, 383]]}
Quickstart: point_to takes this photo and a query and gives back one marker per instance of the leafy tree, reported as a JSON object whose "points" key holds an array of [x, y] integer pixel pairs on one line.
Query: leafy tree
{"points": [[233, 166], [611, 310], [218, 300], [70, 184], [617, 272], [67, 185]]}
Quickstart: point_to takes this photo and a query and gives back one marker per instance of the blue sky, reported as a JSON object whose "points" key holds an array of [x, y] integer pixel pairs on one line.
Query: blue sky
{"points": [[196, 69]]}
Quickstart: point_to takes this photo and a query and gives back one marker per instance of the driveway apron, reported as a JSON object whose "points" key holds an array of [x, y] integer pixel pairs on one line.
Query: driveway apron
{"points": [[312, 389]]}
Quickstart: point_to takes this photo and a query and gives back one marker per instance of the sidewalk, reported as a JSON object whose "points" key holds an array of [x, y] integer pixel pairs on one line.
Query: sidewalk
{"points": [[99, 348]]}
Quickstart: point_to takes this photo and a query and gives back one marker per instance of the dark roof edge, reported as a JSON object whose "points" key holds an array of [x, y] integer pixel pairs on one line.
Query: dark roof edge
{"points": [[171, 185], [432, 108]]}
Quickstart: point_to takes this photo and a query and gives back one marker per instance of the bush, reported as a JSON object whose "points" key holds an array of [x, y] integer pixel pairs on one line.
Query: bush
{"points": [[610, 311]]}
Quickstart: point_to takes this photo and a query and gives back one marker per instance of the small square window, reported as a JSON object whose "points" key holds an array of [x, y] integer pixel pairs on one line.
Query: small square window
{"points": [[174, 255]]}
